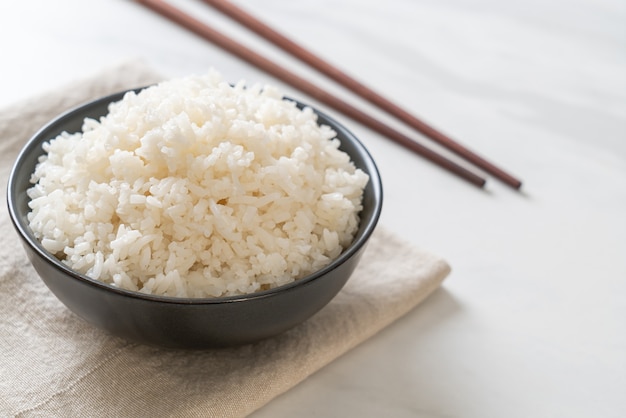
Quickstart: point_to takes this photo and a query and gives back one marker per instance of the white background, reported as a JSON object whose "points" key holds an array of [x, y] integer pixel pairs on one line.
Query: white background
{"points": [[532, 320]]}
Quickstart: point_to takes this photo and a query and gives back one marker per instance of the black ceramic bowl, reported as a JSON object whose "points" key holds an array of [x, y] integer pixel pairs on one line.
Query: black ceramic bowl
{"points": [[187, 322]]}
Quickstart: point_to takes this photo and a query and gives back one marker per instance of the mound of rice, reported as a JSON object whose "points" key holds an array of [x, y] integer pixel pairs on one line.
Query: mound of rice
{"points": [[196, 188]]}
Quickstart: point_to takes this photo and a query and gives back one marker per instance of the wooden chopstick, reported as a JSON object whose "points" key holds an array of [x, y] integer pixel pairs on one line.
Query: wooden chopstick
{"points": [[275, 37], [174, 14]]}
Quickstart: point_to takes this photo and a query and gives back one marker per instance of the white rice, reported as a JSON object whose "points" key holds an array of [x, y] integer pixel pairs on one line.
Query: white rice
{"points": [[195, 188]]}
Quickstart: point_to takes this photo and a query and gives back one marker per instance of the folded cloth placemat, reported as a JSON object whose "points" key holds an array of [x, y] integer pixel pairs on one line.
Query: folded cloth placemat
{"points": [[54, 364]]}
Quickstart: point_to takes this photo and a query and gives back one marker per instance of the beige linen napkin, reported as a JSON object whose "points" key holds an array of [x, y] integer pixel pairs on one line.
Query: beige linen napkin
{"points": [[54, 364]]}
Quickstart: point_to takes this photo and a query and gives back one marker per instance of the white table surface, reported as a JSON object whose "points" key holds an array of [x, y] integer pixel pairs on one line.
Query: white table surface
{"points": [[532, 320]]}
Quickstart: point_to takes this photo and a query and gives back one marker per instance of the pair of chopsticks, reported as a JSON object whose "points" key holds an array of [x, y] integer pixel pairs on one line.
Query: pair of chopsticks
{"points": [[236, 13]]}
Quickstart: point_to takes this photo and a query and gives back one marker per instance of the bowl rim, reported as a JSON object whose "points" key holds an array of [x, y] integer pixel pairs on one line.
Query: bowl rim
{"points": [[27, 236]]}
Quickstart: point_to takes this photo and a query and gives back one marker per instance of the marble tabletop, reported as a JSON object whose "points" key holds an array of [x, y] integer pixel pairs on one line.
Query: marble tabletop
{"points": [[532, 320]]}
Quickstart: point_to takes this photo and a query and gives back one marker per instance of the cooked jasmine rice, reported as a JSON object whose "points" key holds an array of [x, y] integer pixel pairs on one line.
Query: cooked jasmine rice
{"points": [[196, 188]]}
